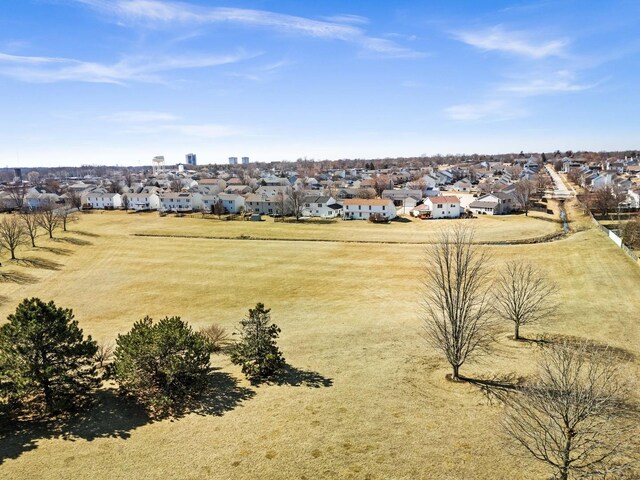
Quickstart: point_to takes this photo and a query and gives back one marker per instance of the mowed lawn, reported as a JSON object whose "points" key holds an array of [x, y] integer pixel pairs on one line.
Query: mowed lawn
{"points": [[375, 403]]}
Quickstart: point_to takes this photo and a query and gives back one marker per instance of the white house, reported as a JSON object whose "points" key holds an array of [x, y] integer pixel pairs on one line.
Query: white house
{"points": [[463, 185], [320, 206], [481, 207], [497, 203], [143, 201], [264, 204], [633, 198], [180, 201], [232, 202], [362, 209], [106, 201], [446, 206]]}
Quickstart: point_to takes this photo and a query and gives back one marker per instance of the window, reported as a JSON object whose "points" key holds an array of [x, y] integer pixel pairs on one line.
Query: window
{"points": [[307, 205], [439, 205], [359, 207]]}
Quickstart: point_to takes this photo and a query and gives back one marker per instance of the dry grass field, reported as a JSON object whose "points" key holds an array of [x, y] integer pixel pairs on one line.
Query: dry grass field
{"points": [[364, 397]]}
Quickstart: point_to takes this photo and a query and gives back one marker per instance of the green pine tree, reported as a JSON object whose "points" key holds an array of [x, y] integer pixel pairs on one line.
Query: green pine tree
{"points": [[256, 351], [162, 365], [44, 358]]}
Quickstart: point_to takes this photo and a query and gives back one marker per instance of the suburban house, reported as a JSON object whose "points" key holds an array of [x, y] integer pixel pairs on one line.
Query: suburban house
{"points": [[463, 185], [180, 201], [446, 206], [272, 190], [264, 204], [238, 189], [232, 202], [34, 199], [143, 201], [497, 203], [362, 209], [633, 198], [320, 206], [403, 198], [106, 201]]}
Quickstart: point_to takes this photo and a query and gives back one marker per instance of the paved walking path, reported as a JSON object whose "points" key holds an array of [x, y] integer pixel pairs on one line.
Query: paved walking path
{"points": [[560, 190]]}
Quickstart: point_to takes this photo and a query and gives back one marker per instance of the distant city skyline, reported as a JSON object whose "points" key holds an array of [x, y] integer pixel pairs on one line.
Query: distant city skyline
{"points": [[121, 81]]}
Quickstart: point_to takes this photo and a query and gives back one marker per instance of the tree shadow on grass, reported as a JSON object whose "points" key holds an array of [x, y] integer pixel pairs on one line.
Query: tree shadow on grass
{"points": [[114, 416], [73, 241], [222, 395], [86, 234], [497, 387], [296, 377], [55, 251], [42, 263], [111, 416], [17, 277]]}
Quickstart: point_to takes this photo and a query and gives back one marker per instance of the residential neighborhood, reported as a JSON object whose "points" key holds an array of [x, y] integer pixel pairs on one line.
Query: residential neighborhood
{"points": [[425, 188]]}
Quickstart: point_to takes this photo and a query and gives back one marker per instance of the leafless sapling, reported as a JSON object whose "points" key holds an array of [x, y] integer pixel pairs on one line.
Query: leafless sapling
{"points": [[523, 295], [456, 311]]}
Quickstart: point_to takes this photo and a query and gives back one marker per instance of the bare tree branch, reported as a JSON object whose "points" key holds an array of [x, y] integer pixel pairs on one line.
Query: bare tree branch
{"points": [[575, 416]]}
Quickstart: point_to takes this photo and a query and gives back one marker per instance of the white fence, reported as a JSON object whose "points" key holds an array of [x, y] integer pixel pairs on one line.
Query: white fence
{"points": [[616, 239]]}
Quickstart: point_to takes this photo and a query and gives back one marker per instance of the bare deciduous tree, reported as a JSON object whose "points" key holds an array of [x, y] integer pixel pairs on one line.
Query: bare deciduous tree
{"points": [[523, 295], [67, 216], [574, 416], [17, 194], [604, 199], [523, 191], [12, 234], [104, 354], [49, 218], [31, 225], [296, 202], [218, 209], [75, 199], [283, 203], [456, 308], [217, 336]]}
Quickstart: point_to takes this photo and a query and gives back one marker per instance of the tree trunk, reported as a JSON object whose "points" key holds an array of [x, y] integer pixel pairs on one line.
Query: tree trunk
{"points": [[456, 374], [566, 460], [516, 335], [13, 255]]}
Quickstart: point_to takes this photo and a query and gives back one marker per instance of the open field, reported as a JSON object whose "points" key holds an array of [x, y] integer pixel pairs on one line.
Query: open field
{"points": [[367, 399]]}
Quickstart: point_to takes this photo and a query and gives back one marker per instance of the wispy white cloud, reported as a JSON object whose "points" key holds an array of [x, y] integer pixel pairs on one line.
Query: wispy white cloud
{"points": [[348, 18], [558, 82], [262, 73], [156, 13], [142, 122], [139, 116], [516, 42], [130, 69], [493, 110]]}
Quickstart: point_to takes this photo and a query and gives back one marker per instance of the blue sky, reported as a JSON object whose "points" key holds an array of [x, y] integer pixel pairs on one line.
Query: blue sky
{"points": [[120, 81]]}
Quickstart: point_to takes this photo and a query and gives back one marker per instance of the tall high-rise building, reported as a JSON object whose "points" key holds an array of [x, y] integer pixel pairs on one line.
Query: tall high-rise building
{"points": [[191, 158], [233, 160], [245, 160]]}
